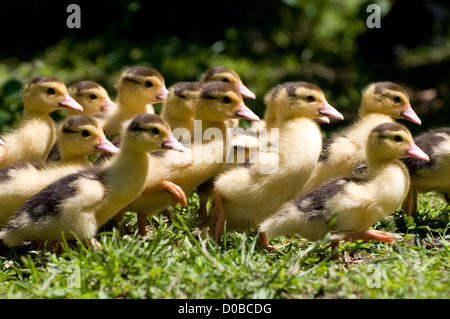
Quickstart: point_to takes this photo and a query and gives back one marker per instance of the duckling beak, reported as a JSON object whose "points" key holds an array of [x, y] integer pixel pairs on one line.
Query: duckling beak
{"points": [[245, 113], [69, 102], [106, 146], [245, 92], [2, 142], [415, 151], [323, 119], [173, 144], [330, 111], [409, 114], [163, 94], [108, 105]]}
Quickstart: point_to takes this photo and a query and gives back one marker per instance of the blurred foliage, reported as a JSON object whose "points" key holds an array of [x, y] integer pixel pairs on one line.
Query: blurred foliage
{"points": [[265, 41]]}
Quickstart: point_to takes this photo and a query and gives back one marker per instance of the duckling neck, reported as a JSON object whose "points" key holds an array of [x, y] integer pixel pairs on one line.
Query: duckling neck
{"points": [[390, 182], [300, 142], [43, 129]]}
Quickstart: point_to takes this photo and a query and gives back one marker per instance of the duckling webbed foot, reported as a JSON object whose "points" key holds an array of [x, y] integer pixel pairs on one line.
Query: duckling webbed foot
{"points": [[177, 193]]}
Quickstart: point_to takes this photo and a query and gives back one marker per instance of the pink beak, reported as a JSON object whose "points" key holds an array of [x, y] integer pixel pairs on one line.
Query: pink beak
{"points": [[330, 111], [173, 144], [108, 105], [415, 151], [163, 94], [106, 146], [2, 142], [245, 113], [323, 119], [409, 114], [245, 92], [69, 102]]}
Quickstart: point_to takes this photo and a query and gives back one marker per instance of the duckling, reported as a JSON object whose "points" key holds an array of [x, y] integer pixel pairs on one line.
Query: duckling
{"points": [[92, 96], [224, 74], [79, 136], [244, 196], [33, 137], [344, 152], [137, 87], [432, 175], [178, 174], [78, 204], [348, 206], [179, 108]]}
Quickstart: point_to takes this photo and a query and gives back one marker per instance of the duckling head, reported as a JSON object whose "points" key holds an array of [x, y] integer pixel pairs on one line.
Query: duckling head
{"points": [[149, 132], [141, 85], [82, 135], [224, 74], [46, 93], [387, 98], [92, 96], [299, 99], [181, 99], [391, 141], [221, 101]]}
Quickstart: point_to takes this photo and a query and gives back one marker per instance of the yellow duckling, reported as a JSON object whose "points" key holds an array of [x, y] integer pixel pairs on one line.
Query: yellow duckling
{"points": [[137, 87], [177, 174], [92, 96], [344, 152], [78, 204], [244, 196], [79, 136], [224, 74], [178, 109], [32, 139], [432, 175], [348, 206]]}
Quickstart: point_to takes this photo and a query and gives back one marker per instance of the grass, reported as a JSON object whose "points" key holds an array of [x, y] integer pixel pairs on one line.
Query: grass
{"points": [[174, 262]]}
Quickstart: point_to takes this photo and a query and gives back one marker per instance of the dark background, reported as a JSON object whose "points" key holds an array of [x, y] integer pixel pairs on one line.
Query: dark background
{"points": [[265, 41]]}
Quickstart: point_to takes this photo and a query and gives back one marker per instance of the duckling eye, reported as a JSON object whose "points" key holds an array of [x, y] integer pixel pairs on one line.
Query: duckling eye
{"points": [[93, 96], [155, 131], [310, 98], [397, 99], [51, 91], [85, 133], [226, 99], [398, 138], [148, 84], [225, 80]]}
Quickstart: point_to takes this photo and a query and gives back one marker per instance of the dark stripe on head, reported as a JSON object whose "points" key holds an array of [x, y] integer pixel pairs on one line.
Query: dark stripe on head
{"points": [[209, 89], [85, 85], [142, 71], [180, 88], [214, 70], [141, 121], [77, 121], [291, 88], [381, 86], [44, 78], [389, 126]]}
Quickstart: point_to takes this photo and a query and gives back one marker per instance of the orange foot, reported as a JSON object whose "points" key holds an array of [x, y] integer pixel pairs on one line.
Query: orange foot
{"points": [[177, 193]]}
